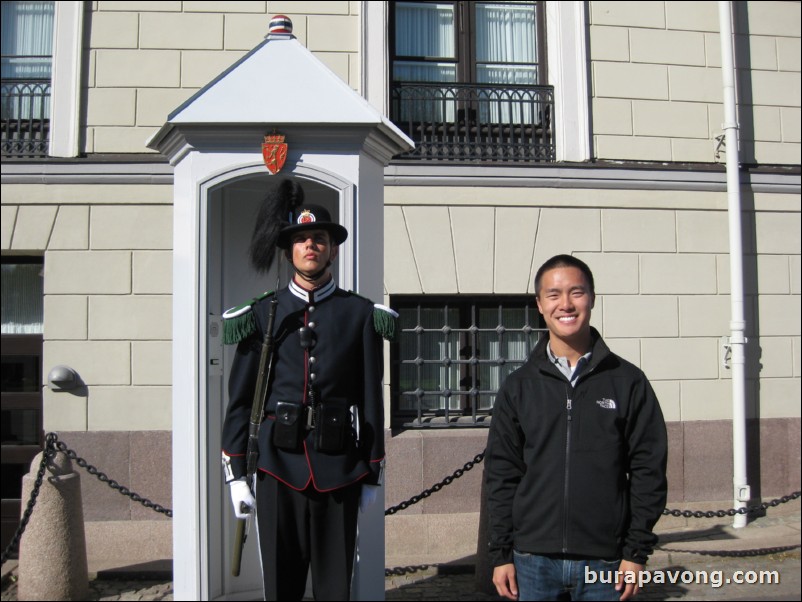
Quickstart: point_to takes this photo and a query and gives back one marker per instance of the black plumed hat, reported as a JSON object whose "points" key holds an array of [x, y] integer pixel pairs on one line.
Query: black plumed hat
{"points": [[272, 217], [311, 217]]}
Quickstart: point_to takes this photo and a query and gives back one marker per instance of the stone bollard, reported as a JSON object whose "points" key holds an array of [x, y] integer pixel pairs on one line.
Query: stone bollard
{"points": [[52, 554]]}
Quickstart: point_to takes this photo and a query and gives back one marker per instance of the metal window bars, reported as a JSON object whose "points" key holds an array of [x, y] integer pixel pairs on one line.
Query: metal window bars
{"points": [[24, 117], [452, 358]]}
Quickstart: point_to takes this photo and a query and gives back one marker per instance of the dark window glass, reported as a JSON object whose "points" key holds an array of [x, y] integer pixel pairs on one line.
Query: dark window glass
{"points": [[20, 374], [20, 427], [20, 380], [11, 481]]}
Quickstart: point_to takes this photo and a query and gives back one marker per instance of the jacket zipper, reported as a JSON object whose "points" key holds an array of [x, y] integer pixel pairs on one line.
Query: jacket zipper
{"points": [[567, 464], [568, 408]]}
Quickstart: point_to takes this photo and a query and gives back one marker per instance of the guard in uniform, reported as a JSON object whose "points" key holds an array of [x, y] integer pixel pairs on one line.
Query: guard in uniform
{"points": [[321, 443]]}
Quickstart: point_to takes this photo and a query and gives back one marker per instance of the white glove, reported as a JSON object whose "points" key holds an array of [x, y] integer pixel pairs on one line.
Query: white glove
{"points": [[367, 496], [242, 498]]}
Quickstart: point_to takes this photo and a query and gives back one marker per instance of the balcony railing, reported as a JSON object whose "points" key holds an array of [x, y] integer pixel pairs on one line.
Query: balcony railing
{"points": [[24, 117], [475, 122]]}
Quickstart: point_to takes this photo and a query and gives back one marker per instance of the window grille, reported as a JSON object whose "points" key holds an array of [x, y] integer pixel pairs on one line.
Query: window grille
{"points": [[475, 122], [453, 354]]}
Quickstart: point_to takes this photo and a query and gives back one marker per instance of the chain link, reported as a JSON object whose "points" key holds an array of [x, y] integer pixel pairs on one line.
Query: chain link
{"points": [[103, 478], [437, 486], [666, 512], [733, 511], [53, 443]]}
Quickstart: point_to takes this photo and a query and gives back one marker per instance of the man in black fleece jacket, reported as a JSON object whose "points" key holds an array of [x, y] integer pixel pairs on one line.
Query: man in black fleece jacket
{"points": [[576, 458]]}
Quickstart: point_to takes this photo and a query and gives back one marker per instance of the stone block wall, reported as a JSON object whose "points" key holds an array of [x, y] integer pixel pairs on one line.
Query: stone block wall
{"points": [[657, 83], [142, 60], [661, 265]]}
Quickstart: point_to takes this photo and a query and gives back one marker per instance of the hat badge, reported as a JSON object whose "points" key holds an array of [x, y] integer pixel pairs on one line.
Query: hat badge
{"points": [[306, 217]]}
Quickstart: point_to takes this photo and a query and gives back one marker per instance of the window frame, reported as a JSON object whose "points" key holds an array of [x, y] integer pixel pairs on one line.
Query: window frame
{"points": [[568, 71], [467, 331], [63, 121], [17, 457]]}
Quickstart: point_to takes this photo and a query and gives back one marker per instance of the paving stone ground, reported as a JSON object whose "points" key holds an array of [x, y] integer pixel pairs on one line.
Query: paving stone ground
{"points": [[768, 546]]}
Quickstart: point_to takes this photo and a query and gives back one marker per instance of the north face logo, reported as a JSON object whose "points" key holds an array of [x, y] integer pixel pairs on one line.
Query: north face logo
{"points": [[607, 404]]}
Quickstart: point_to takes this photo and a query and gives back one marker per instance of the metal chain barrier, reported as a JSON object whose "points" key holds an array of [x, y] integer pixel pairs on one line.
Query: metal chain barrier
{"points": [[61, 446], [52, 445], [733, 511], [666, 512], [437, 486]]}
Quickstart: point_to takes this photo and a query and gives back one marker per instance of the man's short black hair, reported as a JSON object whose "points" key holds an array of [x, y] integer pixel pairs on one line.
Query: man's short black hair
{"points": [[564, 261]]}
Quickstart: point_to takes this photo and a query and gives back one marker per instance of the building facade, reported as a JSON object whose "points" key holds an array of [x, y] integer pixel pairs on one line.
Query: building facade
{"points": [[588, 128]]}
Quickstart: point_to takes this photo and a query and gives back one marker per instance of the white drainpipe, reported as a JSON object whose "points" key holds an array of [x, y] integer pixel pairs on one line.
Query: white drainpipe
{"points": [[737, 340]]}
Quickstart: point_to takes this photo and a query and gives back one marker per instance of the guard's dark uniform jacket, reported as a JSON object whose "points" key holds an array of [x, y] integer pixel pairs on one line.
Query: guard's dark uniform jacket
{"points": [[343, 361]]}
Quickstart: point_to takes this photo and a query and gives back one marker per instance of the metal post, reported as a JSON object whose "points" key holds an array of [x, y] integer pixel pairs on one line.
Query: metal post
{"points": [[737, 342]]}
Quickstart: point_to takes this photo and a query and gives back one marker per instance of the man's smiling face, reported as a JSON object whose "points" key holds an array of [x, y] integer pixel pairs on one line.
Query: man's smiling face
{"points": [[565, 300]]}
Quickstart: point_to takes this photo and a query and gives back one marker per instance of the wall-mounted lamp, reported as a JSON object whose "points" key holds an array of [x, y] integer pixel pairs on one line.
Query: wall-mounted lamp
{"points": [[63, 378]]}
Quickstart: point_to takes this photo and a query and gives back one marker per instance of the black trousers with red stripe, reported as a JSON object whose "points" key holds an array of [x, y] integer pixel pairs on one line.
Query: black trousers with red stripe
{"points": [[299, 528]]}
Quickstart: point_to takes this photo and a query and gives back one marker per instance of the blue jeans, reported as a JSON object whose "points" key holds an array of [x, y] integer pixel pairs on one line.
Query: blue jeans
{"points": [[544, 578]]}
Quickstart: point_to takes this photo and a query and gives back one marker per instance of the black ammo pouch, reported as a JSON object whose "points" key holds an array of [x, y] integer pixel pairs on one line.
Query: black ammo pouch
{"points": [[332, 425], [288, 431]]}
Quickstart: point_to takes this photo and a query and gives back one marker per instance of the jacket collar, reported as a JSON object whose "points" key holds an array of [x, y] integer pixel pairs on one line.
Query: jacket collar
{"points": [[315, 295], [599, 352]]}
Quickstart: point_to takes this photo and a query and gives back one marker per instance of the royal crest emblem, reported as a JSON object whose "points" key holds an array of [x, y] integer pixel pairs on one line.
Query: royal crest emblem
{"points": [[306, 217], [274, 151]]}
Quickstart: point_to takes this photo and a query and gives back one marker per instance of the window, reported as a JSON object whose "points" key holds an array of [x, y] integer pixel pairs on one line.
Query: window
{"points": [[26, 70], [468, 80], [21, 391], [453, 354], [22, 299], [499, 43]]}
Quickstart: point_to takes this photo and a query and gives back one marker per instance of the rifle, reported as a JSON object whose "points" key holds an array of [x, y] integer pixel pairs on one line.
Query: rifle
{"points": [[257, 410]]}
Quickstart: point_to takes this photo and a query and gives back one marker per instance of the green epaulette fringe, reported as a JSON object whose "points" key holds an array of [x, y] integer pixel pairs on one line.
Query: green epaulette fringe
{"points": [[385, 322], [239, 322], [239, 328], [385, 319]]}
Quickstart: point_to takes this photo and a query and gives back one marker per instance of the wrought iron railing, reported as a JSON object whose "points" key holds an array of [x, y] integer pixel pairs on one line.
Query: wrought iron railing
{"points": [[475, 122], [25, 117]]}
